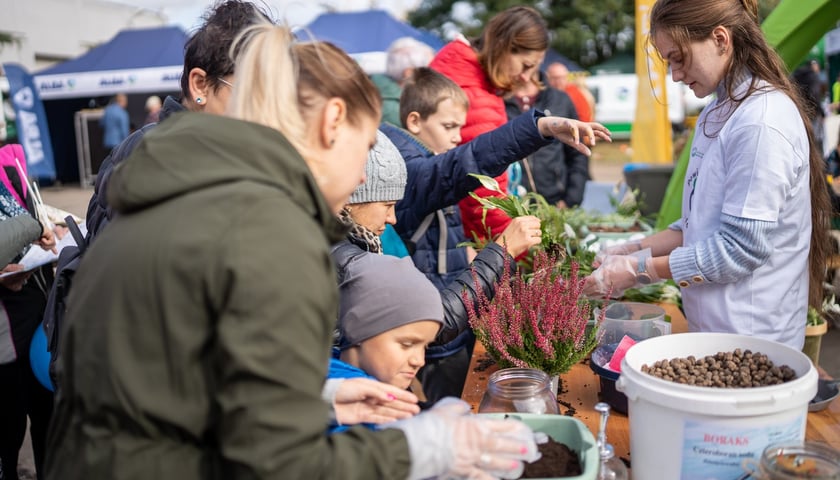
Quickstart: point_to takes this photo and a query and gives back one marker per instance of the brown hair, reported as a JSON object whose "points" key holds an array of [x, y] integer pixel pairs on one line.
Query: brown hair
{"points": [[279, 74], [687, 21], [424, 91], [515, 30]]}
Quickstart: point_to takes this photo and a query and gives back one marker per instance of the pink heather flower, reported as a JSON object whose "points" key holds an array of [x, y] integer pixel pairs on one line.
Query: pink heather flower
{"points": [[538, 322]]}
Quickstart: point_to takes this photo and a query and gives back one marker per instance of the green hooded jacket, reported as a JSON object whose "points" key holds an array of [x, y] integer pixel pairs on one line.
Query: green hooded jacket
{"points": [[200, 321]]}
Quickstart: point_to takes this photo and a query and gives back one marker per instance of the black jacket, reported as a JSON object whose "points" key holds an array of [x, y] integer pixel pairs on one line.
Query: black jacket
{"points": [[557, 171]]}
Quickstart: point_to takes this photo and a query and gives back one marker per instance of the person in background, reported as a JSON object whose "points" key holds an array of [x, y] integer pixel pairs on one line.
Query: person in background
{"points": [[23, 296], [389, 313], [557, 171], [114, 122], [510, 49], [749, 251], [558, 78], [226, 381], [835, 94], [404, 55], [810, 89], [153, 106]]}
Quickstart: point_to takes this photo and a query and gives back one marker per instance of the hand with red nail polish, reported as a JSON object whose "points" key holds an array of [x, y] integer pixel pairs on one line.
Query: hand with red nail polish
{"points": [[364, 400]]}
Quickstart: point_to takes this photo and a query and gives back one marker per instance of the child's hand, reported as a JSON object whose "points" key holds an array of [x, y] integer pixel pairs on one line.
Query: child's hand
{"points": [[574, 133], [363, 400], [14, 282], [521, 234]]}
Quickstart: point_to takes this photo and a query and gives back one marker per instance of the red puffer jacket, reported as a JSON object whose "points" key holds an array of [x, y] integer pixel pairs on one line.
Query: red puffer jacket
{"points": [[459, 62]]}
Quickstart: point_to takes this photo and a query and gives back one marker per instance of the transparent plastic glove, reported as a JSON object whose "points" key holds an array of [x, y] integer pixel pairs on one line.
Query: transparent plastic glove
{"points": [[618, 273], [449, 442], [625, 248]]}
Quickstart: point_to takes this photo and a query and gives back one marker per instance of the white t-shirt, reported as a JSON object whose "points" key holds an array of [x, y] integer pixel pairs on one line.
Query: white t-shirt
{"points": [[754, 165]]}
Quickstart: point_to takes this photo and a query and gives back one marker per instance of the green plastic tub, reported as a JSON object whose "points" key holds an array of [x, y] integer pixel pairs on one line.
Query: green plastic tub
{"points": [[567, 430]]}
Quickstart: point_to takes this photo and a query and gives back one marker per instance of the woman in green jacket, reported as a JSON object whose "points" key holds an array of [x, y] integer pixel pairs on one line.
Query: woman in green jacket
{"points": [[199, 327]]}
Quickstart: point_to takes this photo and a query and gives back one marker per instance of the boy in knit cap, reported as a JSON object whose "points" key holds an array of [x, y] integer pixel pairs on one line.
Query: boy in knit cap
{"points": [[389, 313]]}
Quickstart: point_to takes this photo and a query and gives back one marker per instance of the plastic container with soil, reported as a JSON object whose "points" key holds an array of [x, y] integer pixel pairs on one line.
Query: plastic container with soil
{"points": [[566, 430]]}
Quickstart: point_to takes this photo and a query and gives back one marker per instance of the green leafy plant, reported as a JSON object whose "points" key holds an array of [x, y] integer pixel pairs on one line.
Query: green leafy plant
{"points": [[563, 230]]}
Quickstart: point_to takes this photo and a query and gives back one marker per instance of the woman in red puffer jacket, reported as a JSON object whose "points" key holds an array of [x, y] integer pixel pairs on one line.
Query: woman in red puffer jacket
{"points": [[510, 50]]}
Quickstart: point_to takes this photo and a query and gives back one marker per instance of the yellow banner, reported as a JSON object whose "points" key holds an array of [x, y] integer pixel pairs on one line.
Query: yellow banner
{"points": [[651, 135]]}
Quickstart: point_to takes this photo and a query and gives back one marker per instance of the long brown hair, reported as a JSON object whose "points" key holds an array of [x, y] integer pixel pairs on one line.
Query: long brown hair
{"points": [[515, 30], [687, 21]]}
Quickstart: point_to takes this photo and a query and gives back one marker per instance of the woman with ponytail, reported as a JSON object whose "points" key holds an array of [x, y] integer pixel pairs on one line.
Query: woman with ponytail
{"points": [[749, 251], [198, 333]]}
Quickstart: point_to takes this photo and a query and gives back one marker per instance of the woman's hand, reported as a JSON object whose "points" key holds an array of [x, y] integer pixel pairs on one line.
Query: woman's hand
{"points": [[574, 133], [521, 234], [17, 281], [362, 400]]}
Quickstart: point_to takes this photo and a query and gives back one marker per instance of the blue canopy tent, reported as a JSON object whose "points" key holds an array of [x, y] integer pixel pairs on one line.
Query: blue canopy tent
{"points": [[134, 61], [365, 35], [138, 62]]}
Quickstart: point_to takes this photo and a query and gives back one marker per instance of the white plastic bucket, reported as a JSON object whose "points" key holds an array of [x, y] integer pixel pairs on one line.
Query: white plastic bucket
{"points": [[689, 432]]}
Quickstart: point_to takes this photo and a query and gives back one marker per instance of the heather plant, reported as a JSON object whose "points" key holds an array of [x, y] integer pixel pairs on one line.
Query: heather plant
{"points": [[538, 321]]}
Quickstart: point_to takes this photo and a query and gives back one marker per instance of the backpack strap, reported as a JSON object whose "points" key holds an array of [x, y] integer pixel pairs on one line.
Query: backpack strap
{"points": [[77, 233], [443, 230]]}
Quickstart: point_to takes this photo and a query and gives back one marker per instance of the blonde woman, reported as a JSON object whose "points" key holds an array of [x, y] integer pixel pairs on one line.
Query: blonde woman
{"points": [[200, 323]]}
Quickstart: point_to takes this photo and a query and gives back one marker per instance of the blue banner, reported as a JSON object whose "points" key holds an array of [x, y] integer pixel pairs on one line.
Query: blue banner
{"points": [[31, 121]]}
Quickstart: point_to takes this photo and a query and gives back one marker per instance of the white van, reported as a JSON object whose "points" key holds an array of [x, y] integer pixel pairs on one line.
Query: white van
{"points": [[615, 101]]}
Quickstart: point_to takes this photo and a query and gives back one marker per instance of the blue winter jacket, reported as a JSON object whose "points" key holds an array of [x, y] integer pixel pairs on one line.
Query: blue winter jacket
{"points": [[437, 182], [340, 369]]}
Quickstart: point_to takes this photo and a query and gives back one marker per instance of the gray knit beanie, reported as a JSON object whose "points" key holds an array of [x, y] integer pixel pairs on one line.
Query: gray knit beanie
{"points": [[383, 292], [385, 173]]}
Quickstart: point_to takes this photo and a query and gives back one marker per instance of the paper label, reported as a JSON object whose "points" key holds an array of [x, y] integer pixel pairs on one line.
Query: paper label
{"points": [[716, 450]]}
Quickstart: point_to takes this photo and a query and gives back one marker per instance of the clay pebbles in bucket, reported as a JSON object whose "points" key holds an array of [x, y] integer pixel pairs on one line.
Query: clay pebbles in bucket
{"points": [[702, 431]]}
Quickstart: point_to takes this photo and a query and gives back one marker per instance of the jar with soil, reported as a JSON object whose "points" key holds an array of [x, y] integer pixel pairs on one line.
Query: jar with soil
{"points": [[525, 390]]}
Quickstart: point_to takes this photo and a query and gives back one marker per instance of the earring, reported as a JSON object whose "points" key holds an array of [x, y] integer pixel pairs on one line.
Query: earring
{"points": [[198, 100], [332, 142]]}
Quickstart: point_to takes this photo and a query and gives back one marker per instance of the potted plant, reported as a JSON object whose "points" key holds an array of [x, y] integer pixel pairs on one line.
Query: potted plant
{"points": [[536, 321], [816, 327]]}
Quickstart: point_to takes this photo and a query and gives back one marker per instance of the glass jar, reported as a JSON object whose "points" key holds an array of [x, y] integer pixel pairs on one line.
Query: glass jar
{"points": [[525, 390], [810, 460]]}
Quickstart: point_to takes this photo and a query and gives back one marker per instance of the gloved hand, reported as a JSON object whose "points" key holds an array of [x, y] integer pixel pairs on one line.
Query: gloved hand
{"points": [[448, 441], [625, 248], [618, 273]]}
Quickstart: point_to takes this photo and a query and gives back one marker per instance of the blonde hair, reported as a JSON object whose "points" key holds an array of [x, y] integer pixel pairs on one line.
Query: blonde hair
{"points": [[281, 83]]}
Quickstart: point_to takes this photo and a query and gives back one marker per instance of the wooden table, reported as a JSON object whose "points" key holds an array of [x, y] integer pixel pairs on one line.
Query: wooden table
{"points": [[579, 394]]}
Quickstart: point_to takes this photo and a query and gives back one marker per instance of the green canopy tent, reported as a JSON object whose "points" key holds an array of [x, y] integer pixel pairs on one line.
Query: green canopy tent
{"points": [[793, 28]]}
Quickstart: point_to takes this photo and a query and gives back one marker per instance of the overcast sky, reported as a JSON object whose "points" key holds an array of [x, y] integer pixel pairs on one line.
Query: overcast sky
{"points": [[186, 13]]}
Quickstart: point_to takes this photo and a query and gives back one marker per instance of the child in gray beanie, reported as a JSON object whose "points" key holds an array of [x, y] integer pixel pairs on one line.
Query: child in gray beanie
{"points": [[389, 313]]}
